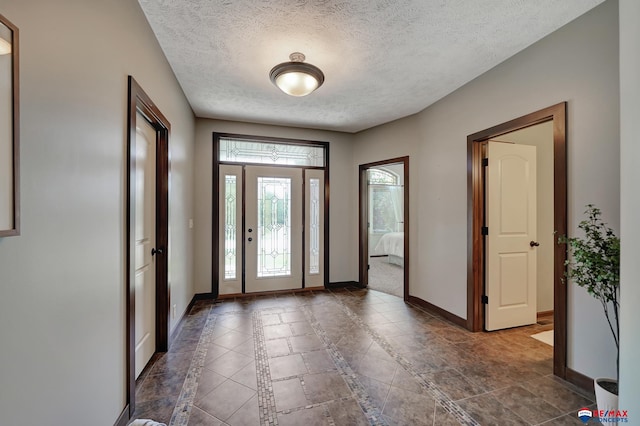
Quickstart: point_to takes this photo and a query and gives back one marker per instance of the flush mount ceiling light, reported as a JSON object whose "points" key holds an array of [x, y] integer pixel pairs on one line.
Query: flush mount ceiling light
{"points": [[296, 78]]}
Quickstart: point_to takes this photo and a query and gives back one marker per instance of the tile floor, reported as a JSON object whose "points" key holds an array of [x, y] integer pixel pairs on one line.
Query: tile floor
{"points": [[349, 357]]}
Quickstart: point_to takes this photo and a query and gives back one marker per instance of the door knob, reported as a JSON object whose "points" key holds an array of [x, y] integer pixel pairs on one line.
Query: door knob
{"points": [[250, 239], [534, 244], [154, 251]]}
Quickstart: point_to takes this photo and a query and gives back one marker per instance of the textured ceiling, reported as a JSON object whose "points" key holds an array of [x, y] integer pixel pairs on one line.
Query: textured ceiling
{"points": [[383, 59]]}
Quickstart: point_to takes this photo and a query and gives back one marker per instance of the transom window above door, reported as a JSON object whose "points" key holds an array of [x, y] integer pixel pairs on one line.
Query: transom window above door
{"points": [[238, 150]]}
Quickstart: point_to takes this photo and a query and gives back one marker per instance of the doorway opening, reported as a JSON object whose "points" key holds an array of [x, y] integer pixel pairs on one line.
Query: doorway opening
{"points": [[270, 204], [384, 226], [147, 233], [478, 256]]}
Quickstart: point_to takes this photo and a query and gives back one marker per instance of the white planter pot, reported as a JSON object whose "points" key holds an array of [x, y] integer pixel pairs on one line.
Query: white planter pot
{"points": [[606, 400]]}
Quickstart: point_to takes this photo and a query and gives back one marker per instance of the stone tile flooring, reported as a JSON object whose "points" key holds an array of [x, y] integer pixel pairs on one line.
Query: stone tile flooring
{"points": [[349, 357]]}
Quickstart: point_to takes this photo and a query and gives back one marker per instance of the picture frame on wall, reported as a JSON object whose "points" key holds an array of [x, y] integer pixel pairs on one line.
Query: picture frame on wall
{"points": [[9, 130]]}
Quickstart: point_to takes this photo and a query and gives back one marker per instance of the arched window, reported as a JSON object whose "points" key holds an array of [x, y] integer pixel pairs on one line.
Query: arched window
{"points": [[385, 201], [382, 177]]}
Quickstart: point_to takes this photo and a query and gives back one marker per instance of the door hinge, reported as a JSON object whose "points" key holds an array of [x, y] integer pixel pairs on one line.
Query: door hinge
{"points": [[485, 299], [485, 162], [485, 230], [368, 267]]}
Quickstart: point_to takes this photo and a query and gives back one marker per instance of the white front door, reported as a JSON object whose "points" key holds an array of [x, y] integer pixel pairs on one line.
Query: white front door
{"points": [[145, 240], [511, 241], [273, 228]]}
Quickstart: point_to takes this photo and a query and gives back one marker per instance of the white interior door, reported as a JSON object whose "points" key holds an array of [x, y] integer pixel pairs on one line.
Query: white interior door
{"points": [[145, 231], [510, 244], [273, 228]]}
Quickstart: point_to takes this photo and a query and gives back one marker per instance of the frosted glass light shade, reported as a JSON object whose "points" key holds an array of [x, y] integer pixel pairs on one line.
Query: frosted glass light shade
{"points": [[296, 83]]}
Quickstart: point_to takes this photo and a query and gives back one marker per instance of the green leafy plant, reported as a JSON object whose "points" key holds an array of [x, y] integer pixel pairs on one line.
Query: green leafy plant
{"points": [[594, 264]]}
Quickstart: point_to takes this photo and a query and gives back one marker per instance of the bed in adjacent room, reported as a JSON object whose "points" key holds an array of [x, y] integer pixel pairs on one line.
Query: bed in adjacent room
{"points": [[392, 245]]}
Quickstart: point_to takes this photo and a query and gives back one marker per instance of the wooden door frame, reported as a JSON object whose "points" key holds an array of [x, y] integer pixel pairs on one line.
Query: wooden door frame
{"points": [[215, 201], [363, 219], [140, 101], [475, 217]]}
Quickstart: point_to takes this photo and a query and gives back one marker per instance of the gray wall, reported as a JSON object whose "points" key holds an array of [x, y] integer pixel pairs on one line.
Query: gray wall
{"points": [[396, 139], [343, 251], [62, 282], [577, 64], [630, 206]]}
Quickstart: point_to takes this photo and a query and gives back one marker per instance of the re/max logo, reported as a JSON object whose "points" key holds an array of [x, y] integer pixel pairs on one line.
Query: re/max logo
{"points": [[603, 416], [610, 413]]}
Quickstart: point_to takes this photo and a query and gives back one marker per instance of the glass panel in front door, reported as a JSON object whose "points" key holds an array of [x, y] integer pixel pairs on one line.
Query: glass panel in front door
{"points": [[230, 227], [274, 227], [230, 230], [314, 226]]}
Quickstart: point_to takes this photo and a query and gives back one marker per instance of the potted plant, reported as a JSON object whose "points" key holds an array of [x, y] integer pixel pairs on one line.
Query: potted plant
{"points": [[594, 264]]}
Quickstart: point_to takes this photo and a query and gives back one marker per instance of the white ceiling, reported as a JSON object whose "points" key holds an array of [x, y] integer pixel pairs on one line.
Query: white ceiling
{"points": [[382, 59]]}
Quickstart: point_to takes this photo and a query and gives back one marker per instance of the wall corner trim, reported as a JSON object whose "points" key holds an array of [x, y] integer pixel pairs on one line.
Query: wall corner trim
{"points": [[579, 379], [124, 417], [202, 296], [343, 284], [431, 308], [180, 324]]}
